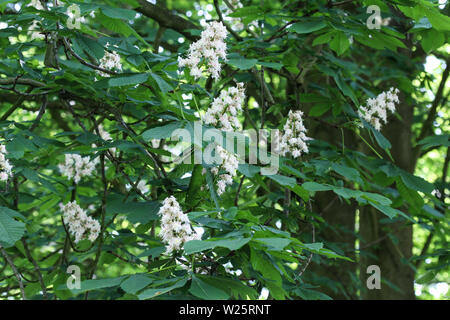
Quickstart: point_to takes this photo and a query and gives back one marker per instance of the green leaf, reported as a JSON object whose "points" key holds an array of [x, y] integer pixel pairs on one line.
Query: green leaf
{"points": [[314, 186], [97, 284], [232, 244], [248, 170], [260, 263], [381, 140], [234, 287], [135, 283], [17, 147], [272, 65], [162, 84], [206, 291], [416, 183], [411, 196], [242, 63], [432, 40], [390, 212], [83, 44], [283, 180], [153, 252], [118, 13], [319, 109], [308, 294], [136, 212], [212, 188], [277, 244], [126, 80], [11, 230], [162, 132], [427, 277], [307, 26], [347, 172], [340, 43], [436, 140], [153, 292], [193, 195], [438, 20], [324, 38], [316, 246]]}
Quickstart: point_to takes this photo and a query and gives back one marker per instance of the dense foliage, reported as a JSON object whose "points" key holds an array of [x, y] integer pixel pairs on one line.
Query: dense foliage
{"points": [[92, 93]]}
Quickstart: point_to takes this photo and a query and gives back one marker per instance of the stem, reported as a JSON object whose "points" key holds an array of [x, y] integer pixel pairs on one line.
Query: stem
{"points": [[369, 145]]}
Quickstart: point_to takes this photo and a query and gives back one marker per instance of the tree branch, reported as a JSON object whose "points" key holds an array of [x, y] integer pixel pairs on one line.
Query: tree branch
{"points": [[16, 273], [428, 124], [166, 19]]}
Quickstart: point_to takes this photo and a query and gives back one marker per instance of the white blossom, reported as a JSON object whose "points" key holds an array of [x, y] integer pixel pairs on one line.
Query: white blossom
{"points": [[175, 226], [79, 223], [110, 61], [294, 137], [75, 167], [377, 108], [105, 136], [142, 187], [225, 108], [228, 163], [5, 166], [36, 4], [235, 23], [206, 52], [34, 32]]}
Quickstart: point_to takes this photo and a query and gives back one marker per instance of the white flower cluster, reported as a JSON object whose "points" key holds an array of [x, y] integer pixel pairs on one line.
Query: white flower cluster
{"points": [[210, 47], [80, 224], [5, 166], [229, 163], [294, 138], [141, 186], [235, 23], [175, 225], [105, 136], [34, 31], [110, 61], [75, 167], [376, 110], [36, 4], [224, 109]]}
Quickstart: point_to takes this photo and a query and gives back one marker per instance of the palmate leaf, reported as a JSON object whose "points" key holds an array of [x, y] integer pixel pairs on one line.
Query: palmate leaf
{"points": [[411, 196], [135, 283], [308, 26], [318, 58], [194, 246], [205, 291], [126, 80], [154, 292], [234, 288], [11, 230], [97, 284]]}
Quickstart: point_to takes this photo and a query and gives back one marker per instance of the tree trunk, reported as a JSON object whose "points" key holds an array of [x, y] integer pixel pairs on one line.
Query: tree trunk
{"points": [[339, 230], [390, 245]]}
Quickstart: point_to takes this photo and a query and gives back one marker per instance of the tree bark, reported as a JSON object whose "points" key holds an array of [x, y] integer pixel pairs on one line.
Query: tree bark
{"points": [[390, 245], [338, 233]]}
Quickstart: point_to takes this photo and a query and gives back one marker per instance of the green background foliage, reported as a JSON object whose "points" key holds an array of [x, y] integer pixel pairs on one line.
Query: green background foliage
{"points": [[359, 197]]}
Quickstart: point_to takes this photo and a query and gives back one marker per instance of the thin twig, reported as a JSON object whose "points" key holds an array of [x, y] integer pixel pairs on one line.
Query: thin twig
{"points": [[16, 273], [36, 268]]}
